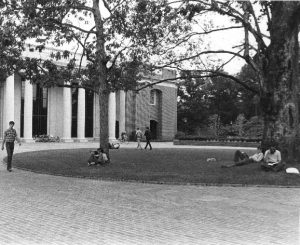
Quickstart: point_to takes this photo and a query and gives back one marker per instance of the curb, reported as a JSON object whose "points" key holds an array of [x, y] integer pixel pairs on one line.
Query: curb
{"points": [[157, 182]]}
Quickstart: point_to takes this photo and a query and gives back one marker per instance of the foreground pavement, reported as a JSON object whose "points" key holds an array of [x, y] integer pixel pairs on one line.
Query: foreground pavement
{"points": [[45, 209]]}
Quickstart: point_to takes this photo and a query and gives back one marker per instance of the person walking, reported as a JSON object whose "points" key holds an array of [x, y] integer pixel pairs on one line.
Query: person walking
{"points": [[148, 138], [10, 135], [138, 135]]}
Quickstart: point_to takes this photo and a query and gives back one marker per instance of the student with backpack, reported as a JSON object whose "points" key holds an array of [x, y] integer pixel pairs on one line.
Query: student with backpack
{"points": [[139, 135]]}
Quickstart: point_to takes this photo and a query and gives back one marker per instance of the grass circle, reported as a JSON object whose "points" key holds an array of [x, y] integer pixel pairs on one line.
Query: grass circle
{"points": [[176, 165]]}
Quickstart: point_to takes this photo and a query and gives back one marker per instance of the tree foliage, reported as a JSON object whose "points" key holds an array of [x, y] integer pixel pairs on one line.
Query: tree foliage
{"points": [[11, 45], [272, 54], [115, 39], [200, 99]]}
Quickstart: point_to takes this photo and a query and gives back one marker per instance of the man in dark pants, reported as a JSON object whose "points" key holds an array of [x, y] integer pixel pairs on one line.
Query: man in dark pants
{"points": [[148, 138], [10, 135]]}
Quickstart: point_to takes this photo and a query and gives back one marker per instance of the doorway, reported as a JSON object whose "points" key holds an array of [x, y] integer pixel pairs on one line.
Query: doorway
{"points": [[154, 129]]}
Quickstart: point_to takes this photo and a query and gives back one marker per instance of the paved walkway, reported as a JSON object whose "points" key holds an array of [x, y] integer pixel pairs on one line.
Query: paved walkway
{"points": [[44, 209]]}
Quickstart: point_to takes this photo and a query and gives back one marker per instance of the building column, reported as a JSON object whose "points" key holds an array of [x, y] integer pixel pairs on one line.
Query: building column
{"points": [[81, 116], [9, 100], [112, 116], [122, 112], [67, 116], [28, 112]]}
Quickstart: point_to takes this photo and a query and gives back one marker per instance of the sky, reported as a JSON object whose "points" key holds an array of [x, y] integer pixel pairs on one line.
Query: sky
{"points": [[227, 39], [223, 40]]}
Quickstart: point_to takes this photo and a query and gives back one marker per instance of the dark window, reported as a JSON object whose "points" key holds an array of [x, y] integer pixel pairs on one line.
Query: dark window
{"points": [[74, 112], [22, 109], [39, 117], [154, 129], [152, 97], [89, 113], [117, 133]]}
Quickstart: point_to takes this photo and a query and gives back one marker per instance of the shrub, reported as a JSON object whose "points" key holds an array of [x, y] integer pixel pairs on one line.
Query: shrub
{"points": [[229, 138], [46, 138], [179, 135]]}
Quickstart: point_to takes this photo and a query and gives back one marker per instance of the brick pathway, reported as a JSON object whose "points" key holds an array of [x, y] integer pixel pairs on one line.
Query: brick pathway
{"points": [[44, 209]]}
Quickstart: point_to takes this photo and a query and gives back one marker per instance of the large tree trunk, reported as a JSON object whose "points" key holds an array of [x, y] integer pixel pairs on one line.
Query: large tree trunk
{"points": [[279, 99], [101, 61], [103, 102]]}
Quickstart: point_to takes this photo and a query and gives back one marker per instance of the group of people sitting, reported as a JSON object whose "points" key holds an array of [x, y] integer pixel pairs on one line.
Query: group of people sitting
{"points": [[269, 161], [97, 157]]}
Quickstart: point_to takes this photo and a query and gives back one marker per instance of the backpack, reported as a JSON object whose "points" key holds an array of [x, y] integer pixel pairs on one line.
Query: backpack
{"points": [[139, 134]]}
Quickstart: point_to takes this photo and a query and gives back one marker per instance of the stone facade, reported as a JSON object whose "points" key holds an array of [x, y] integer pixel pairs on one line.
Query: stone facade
{"points": [[74, 115]]}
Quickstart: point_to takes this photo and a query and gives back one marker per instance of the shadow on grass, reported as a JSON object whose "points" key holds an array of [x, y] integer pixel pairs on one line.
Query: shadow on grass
{"points": [[173, 166]]}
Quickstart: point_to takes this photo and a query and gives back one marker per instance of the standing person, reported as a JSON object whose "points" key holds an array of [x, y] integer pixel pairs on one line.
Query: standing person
{"points": [[138, 135], [10, 135], [148, 138]]}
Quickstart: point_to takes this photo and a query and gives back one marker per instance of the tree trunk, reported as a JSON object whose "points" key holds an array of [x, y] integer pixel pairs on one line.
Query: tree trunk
{"points": [[279, 98], [103, 102], [101, 61]]}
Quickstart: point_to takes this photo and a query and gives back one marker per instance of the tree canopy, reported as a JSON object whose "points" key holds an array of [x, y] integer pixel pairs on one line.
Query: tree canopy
{"points": [[157, 34]]}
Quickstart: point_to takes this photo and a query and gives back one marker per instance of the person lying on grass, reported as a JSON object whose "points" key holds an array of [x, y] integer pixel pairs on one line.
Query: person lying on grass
{"points": [[97, 157], [242, 158], [272, 160]]}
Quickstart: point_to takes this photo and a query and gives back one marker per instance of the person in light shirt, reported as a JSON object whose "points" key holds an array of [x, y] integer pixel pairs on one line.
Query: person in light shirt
{"points": [[272, 160], [242, 158]]}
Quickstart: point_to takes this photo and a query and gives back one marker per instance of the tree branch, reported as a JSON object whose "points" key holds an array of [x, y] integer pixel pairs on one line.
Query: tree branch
{"points": [[220, 67], [69, 6], [232, 12], [83, 45], [75, 27], [211, 73], [189, 36], [116, 57], [247, 59]]}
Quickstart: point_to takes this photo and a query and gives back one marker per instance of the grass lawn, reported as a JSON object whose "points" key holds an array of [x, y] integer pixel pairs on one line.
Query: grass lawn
{"points": [[158, 165]]}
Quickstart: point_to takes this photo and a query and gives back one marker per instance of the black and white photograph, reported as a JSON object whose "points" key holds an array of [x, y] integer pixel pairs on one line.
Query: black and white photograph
{"points": [[160, 122]]}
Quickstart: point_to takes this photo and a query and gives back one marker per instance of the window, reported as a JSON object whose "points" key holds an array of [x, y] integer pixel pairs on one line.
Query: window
{"points": [[39, 110], [152, 97]]}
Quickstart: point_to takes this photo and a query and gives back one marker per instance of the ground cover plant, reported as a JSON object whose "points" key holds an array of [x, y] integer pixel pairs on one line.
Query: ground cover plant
{"points": [[183, 166]]}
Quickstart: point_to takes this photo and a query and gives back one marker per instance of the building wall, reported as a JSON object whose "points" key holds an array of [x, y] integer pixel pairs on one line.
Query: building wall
{"points": [[143, 109], [1, 109], [138, 110], [164, 112], [118, 106], [17, 112], [169, 112], [55, 111], [130, 113], [4, 123]]}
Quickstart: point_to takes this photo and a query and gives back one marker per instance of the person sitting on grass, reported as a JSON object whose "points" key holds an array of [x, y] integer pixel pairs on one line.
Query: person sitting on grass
{"points": [[242, 158], [97, 157], [113, 145], [124, 137], [272, 160]]}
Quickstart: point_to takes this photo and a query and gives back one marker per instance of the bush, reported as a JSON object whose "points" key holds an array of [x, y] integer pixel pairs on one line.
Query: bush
{"points": [[254, 127], [229, 138], [179, 135], [46, 138]]}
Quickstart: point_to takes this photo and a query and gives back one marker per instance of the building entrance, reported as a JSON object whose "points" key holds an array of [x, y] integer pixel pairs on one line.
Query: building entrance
{"points": [[154, 129]]}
